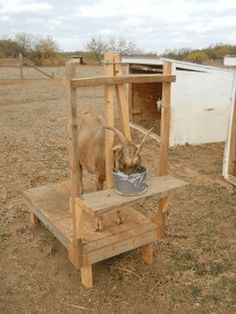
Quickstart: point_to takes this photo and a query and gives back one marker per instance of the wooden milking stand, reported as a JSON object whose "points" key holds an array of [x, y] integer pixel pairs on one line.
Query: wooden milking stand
{"points": [[71, 218]]}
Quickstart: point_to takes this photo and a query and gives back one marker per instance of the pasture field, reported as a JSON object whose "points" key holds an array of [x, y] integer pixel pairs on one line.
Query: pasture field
{"points": [[194, 270]]}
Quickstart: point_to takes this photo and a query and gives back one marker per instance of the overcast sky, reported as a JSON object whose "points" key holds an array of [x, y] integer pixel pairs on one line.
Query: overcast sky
{"points": [[154, 25]]}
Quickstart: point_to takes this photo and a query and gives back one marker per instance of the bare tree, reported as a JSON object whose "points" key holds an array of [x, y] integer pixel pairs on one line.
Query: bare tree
{"points": [[99, 46], [122, 46], [37, 48], [26, 41]]}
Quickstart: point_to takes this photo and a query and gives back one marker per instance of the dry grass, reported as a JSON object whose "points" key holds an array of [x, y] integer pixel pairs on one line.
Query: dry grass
{"points": [[194, 271]]}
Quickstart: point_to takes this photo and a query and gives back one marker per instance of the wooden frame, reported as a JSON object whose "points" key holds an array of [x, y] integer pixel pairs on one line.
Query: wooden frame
{"points": [[75, 227]]}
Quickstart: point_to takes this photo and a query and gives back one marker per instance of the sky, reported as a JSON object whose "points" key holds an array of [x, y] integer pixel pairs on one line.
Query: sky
{"points": [[153, 25]]}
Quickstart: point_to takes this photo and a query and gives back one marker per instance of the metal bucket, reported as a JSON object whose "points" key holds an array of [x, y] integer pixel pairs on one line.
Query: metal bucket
{"points": [[129, 185]]}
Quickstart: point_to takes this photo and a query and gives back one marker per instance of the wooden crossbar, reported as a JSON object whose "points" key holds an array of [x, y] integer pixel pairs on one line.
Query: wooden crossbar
{"points": [[111, 80]]}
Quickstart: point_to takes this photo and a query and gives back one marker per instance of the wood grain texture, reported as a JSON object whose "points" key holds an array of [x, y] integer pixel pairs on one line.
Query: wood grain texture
{"points": [[111, 80]]}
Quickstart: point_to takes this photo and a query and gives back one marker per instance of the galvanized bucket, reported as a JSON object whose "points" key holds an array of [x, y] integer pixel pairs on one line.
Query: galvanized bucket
{"points": [[129, 185]]}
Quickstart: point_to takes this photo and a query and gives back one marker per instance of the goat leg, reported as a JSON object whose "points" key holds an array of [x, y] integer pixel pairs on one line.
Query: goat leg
{"points": [[100, 182], [119, 217], [99, 224], [81, 180]]}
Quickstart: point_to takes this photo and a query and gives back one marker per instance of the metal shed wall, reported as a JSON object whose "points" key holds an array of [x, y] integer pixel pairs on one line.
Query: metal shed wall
{"points": [[201, 99]]}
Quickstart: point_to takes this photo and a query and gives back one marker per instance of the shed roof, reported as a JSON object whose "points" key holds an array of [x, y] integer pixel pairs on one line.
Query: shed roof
{"points": [[180, 65]]}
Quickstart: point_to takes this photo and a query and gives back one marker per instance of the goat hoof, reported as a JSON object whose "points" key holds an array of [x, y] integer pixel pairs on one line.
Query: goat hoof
{"points": [[119, 220], [99, 227]]}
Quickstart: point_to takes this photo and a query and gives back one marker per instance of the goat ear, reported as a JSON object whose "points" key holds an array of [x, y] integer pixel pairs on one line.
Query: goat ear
{"points": [[116, 148]]}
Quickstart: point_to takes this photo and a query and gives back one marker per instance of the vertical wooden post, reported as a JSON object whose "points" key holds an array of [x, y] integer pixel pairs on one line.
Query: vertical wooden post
{"points": [[165, 120], [160, 217], [147, 253], [33, 219], [122, 99], [75, 171], [109, 136], [86, 273], [75, 251], [21, 65]]}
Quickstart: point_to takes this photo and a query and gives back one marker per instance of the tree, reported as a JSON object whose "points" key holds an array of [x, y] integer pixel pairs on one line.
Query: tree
{"points": [[26, 41], [96, 46], [122, 46], [177, 54], [9, 48], [197, 56], [99, 46], [37, 48]]}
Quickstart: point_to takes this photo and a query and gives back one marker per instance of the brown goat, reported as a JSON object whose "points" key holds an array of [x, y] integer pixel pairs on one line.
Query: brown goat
{"points": [[91, 144]]}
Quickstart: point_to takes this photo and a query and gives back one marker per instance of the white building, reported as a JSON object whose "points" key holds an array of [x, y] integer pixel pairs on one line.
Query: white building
{"points": [[230, 60], [201, 98], [229, 164]]}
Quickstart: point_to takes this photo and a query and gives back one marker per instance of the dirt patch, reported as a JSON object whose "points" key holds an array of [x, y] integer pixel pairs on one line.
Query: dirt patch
{"points": [[195, 266]]}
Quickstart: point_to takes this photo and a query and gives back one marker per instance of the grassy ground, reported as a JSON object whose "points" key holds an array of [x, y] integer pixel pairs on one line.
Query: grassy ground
{"points": [[194, 271]]}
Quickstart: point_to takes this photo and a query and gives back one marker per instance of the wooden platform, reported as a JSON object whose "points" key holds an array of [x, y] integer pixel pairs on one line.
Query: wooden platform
{"points": [[50, 204]]}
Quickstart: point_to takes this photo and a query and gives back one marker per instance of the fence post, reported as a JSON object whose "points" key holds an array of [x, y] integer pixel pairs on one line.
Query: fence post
{"points": [[21, 65]]}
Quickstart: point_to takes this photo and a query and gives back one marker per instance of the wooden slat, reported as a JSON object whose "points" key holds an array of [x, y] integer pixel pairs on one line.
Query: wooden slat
{"points": [[144, 131], [103, 201], [118, 243], [106, 200], [51, 207], [111, 80]]}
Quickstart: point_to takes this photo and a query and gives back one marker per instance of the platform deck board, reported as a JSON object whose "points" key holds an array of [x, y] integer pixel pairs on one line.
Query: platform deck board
{"points": [[103, 201]]}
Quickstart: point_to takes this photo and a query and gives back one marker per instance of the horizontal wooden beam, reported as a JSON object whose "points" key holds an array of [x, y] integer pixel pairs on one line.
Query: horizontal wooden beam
{"points": [[111, 80]]}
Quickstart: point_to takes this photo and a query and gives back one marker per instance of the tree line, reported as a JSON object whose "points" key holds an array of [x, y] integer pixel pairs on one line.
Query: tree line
{"points": [[210, 55], [45, 50], [35, 48]]}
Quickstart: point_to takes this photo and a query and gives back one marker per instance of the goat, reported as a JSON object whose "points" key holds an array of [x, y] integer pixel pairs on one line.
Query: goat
{"points": [[91, 145]]}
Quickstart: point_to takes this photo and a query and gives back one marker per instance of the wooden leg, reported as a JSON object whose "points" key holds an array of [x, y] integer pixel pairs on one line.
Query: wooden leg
{"points": [[147, 253], [75, 253], [87, 276], [160, 217], [33, 219]]}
